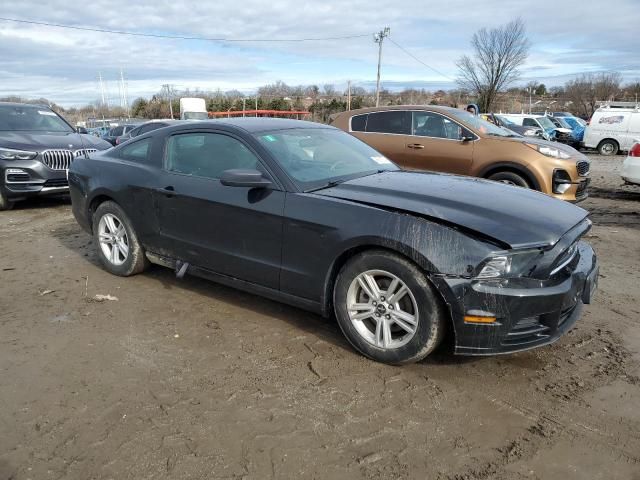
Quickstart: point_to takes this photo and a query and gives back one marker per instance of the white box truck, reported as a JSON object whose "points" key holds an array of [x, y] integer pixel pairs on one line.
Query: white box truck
{"points": [[193, 109], [613, 129]]}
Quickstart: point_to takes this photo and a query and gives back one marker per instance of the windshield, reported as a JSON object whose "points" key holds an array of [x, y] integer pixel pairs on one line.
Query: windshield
{"points": [[28, 118], [316, 157], [481, 125], [507, 123], [574, 122], [195, 116], [546, 123], [564, 123]]}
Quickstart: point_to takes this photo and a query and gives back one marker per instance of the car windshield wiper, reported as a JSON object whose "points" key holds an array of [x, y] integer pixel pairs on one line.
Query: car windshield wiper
{"points": [[330, 184]]}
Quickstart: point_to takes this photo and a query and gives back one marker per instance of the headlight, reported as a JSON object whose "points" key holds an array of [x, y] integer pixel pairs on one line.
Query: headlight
{"points": [[495, 267], [11, 154], [531, 133], [510, 264], [549, 151]]}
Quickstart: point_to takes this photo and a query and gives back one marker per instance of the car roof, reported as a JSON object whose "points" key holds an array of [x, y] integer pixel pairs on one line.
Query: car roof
{"points": [[18, 104], [252, 124], [434, 108]]}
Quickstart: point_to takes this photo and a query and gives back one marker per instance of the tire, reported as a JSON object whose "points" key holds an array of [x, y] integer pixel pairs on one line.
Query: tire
{"points": [[364, 325], [112, 225], [5, 203], [510, 178], [608, 147]]}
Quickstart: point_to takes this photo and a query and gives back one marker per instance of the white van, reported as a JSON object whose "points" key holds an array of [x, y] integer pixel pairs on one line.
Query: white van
{"points": [[612, 129]]}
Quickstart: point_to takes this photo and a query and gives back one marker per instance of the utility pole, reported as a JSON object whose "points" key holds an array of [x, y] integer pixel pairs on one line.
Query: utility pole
{"points": [[244, 102], [379, 38], [124, 93], [348, 95], [168, 87], [530, 100], [101, 89]]}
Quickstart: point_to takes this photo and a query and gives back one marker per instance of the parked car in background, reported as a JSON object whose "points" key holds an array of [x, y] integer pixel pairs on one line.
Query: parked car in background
{"points": [[120, 130], [551, 131], [144, 128], [519, 129], [575, 136], [244, 201], [451, 140], [631, 166], [611, 130], [36, 148], [560, 114]]}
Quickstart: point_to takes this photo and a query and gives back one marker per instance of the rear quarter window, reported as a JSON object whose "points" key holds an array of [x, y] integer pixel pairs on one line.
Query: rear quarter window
{"points": [[138, 152], [358, 123]]}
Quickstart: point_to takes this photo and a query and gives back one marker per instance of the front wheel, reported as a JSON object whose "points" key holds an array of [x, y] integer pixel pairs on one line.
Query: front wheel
{"points": [[387, 308], [118, 247], [510, 178], [5, 203], [608, 147]]}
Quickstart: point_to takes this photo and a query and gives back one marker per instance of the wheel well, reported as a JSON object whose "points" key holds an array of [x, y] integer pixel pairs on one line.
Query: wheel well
{"points": [[95, 203], [613, 140], [533, 183], [345, 256]]}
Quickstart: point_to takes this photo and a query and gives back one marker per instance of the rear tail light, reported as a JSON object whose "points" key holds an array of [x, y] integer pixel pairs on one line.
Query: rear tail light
{"points": [[635, 150]]}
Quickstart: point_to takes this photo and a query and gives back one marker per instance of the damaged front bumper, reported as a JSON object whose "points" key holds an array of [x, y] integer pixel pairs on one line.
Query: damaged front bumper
{"points": [[528, 313]]}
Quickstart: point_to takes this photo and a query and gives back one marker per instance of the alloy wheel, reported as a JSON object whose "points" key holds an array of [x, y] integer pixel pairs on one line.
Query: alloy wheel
{"points": [[114, 242], [382, 309]]}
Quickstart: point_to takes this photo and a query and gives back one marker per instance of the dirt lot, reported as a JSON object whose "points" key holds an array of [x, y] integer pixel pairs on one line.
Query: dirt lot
{"points": [[188, 379]]}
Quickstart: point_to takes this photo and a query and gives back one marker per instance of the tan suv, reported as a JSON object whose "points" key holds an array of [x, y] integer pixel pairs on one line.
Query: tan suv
{"points": [[451, 140]]}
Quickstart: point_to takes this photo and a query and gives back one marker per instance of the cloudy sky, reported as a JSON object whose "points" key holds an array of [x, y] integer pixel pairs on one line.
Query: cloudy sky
{"points": [[568, 38]]}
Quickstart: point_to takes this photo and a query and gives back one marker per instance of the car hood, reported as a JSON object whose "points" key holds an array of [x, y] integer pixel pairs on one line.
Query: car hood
{"points": [[510, 215], [38, 141]]}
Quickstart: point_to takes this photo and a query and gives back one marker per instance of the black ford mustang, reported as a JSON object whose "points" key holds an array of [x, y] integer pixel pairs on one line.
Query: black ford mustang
{"points": [[311, 216]]}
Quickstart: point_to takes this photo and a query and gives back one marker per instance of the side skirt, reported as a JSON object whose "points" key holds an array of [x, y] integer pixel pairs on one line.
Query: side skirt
{"points": [[243, 285]]}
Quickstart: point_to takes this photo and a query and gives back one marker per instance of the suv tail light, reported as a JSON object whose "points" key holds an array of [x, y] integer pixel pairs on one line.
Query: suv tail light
{"points": [[635, 150]]}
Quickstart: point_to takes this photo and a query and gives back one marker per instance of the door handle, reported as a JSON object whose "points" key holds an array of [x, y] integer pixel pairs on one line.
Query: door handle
{"points": [[168, 191], [416, 146]]}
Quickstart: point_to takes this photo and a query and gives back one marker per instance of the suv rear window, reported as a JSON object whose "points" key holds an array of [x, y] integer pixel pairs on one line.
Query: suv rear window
{"points": [[396, 121]]}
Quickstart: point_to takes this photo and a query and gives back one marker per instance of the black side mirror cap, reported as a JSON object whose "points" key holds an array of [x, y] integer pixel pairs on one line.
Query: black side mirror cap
{"points": [[244, 178], [81, 130]]}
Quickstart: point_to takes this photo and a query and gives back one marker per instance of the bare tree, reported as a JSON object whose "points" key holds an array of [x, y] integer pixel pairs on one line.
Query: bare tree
{"points": [[498, 54], [588, 89]]}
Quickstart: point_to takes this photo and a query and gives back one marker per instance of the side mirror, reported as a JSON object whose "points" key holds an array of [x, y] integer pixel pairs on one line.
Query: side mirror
{"points": [[82, 130], [244, 178], [467, 138]]}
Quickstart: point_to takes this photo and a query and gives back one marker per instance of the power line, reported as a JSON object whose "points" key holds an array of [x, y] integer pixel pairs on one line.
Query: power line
{"points": [[180, 37], [420, 61]]}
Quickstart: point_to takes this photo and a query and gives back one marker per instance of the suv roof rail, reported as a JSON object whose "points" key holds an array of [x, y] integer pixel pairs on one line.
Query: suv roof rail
{"points": [[614, 104]]}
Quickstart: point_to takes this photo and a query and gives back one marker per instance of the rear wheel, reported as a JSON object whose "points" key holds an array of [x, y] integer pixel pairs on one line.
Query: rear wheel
{"points": [[387, 308], [5, 203], [608, 147], [510, 178], [118, 247]]}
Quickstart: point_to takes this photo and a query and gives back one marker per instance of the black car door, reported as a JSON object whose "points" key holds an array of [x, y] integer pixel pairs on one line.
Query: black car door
{"points": [[235, 231]]}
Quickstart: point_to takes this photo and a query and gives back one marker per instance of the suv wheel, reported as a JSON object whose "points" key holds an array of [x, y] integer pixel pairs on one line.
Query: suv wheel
{"points": [[608, 147], [387, 308], [118, 247], [5, 204], [510, 178]]}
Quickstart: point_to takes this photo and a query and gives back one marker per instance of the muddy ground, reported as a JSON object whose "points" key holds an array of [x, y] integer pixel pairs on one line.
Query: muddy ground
{"points": [[188, 379]]}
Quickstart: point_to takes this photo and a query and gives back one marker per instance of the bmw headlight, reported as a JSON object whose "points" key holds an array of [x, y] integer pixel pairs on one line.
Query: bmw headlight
{"points": [[11, 154], [552, 152]]}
